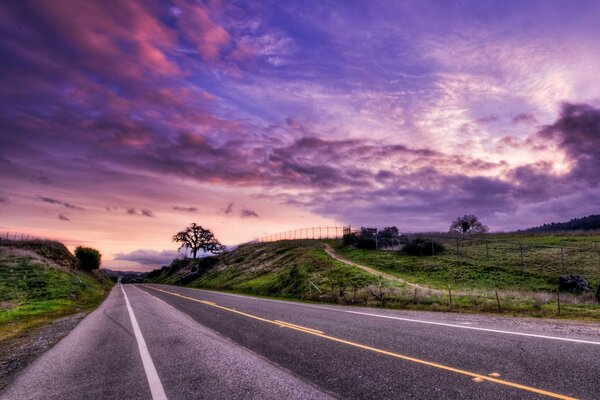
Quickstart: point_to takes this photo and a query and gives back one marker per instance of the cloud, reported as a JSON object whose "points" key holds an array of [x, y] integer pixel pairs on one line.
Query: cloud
{"points": [[131, 211], [229, 209], [185, 209], [577, 133], [51, 200], [148, 257], [525, 117], [63, 217], [4, 200], [246, 213], [147, 213]]}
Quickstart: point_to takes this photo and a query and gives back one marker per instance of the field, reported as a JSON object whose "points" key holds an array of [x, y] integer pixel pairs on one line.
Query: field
{"points": [[516, 262], [489, 275]]}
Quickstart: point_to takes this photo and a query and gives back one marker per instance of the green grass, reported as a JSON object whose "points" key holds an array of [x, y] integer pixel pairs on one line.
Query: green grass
{"points": [[283, 269], [495, 265], [34, 290]]}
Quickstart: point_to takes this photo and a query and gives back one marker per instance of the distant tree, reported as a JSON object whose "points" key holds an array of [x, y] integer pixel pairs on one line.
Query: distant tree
{"points": [[388, 237], [89, 258], [195, 238], [420, 246], [365, 239], [468, 224]]}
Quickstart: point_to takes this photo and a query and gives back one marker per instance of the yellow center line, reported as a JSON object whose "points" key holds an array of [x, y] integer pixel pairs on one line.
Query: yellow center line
{"points": [[297, 326], [320, 334]]}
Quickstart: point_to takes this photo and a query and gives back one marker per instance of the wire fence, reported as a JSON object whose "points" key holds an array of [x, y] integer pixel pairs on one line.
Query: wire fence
{"points": [[18, 236], [314, 232], [524, 254]]}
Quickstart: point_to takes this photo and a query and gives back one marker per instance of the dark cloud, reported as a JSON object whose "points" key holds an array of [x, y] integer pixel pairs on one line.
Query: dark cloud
{"points": [[63, 217], [577, 132], [185, 209], [131, 211], [4, 200], [147, 213], [245, 213], [525, 118], [51, 200], [229, 209], [148, 257]]}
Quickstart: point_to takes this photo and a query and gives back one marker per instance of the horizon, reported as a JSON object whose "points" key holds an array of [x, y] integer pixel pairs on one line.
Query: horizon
{"points": [[123, 125]]}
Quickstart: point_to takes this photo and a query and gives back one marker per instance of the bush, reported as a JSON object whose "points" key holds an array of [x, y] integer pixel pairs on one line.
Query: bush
{"points": [[365, 239], [422, 247], [89, 258], [598, 293]]}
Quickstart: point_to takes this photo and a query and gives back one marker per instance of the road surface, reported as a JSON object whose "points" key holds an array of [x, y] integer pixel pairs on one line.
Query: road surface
{"points": [[167, 342]]}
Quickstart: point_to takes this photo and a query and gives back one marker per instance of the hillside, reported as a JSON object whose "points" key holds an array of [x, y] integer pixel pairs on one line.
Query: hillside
{"points": [[501, 282], [41, 281], [589, 223], [281, 269]]}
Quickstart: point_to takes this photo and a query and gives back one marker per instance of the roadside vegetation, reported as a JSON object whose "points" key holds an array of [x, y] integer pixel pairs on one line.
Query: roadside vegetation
{"points": [[41, 281], [465, 270]]}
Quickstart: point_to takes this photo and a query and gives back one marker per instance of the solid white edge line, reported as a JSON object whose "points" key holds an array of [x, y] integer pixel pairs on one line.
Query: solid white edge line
{"points": [[412, 320], [156, 388]]}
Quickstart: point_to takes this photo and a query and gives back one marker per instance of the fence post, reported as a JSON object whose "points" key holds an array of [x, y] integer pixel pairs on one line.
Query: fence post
{"points": [[498, 301], [450, 296], [457, 250], [487, 252], [562, 258], [15, 237], [522, 262]]}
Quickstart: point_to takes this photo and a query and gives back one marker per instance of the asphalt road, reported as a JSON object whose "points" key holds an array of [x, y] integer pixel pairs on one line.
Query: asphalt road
{"points": [[180, 343]]}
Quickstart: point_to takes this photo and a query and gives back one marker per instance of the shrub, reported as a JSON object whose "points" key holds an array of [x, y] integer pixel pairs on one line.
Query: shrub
{"points": [[422, 247], [89, 258]]}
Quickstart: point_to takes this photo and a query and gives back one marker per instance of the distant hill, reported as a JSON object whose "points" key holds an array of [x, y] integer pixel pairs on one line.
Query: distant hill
{"points": [[589, 223]]}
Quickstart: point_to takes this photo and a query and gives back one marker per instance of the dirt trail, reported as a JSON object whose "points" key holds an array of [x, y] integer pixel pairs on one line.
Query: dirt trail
{"points": [[329, 250]]}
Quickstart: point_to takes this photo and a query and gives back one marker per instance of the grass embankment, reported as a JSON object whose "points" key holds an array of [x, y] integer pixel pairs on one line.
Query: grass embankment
{"points": [[525, 285], [40, 282], [284, 269], [281, 269]]}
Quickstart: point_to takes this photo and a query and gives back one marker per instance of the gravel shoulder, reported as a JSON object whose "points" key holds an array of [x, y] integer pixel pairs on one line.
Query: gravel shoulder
{"points": [[18, 352]]}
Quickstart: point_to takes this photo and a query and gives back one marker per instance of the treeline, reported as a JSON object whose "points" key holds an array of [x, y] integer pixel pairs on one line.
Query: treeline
{"points": [[589, 223], [390, 238]]}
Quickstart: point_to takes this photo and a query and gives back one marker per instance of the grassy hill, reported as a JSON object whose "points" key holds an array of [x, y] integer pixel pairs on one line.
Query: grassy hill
{"points": [[281, 269], [41, 281], [499, 281], [589, 223]]}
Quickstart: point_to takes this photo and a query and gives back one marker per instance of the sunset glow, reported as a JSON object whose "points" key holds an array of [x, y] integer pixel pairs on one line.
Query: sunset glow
{"points": [[123, 124]]}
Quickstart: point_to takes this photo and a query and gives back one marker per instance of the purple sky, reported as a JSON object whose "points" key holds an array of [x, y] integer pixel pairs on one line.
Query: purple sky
{"points": [[123, 121]]}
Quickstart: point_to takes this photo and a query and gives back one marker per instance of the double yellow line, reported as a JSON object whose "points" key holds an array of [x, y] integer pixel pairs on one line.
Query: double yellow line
{"points": [[320, 334]]}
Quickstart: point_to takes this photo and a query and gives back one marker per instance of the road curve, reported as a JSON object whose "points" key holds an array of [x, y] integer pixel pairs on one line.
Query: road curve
{"points": [[206, 344]]}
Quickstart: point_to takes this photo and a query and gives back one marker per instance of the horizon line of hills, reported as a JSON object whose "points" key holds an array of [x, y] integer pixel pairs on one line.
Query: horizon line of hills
{"points": [[589, 223]]}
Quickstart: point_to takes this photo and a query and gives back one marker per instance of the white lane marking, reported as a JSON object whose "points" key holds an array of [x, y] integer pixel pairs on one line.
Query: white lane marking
{"points": [[419, 321], [156, 388]]}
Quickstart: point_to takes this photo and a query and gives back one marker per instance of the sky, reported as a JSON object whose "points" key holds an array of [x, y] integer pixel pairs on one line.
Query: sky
{"points": [[124, 121]]}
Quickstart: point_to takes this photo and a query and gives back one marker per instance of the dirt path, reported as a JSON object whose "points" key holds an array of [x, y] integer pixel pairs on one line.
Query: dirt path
{"points": [[329, 250]]}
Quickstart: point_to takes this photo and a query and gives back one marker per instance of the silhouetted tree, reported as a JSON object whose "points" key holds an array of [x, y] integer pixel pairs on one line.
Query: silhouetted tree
{"points": [[195, 238], [468, 224], [89, 258]]}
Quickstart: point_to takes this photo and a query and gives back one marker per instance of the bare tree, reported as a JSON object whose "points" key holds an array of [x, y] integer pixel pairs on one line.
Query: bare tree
{"points": [[468, 224], [195, 238]]}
